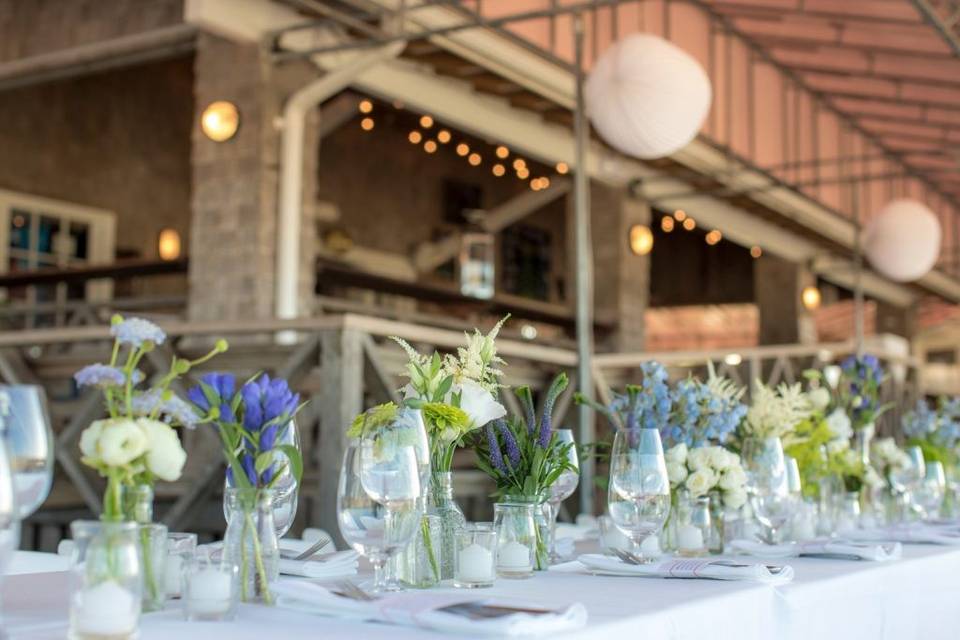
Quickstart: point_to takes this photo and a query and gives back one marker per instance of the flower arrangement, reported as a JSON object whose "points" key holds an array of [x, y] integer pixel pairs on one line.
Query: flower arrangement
{"points": [[850, 468], [936, 432], [136, 444], [815, 439], [704, 413], [775, 413], [702, 470], [859, 390], [648, 405], [887, 457]]}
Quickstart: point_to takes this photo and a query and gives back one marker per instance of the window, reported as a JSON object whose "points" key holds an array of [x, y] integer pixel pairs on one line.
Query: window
{"points": [[40, 233]]}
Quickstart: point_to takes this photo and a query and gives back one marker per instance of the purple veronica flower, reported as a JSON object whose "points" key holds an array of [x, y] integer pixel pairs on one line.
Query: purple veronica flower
{"points": [[102, 375], [136, 331], [546, 420], [509, 443], [496, 456]]}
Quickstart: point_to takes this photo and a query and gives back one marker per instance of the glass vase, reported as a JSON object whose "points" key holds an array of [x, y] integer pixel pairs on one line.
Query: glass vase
{"points": [[152, 544], [418, 565], [517, 539], [452, 521], [250, 542], [138, 503], [540, 513], [846, 515], [862, 439], [715, 536], [105, 581]]}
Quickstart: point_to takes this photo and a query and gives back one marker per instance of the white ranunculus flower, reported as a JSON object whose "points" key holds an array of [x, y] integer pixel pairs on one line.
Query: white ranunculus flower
{"points": [[677, 472], [733, 478], [819, 398], [479, 404], [699, 458], [839, 424], [121, 441], [165, 454], [735, 499], [676, 454], [90, 438], [700, 482]]}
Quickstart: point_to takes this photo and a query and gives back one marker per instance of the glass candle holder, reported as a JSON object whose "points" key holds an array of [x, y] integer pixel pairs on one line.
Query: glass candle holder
{"points": [[153, 559], [476, 556], [694, 526], [211, 590], [181, 549], [516, 539]]}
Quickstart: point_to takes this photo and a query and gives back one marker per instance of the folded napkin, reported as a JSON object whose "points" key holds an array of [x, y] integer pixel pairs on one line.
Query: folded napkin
{"points": [[709, 568], [913, 533], [836, 549], [338, 564], [445, 612]]}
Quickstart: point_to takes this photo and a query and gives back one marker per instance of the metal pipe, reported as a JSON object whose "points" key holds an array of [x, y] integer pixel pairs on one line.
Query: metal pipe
{"points": [[291, 172], [584, 275]]}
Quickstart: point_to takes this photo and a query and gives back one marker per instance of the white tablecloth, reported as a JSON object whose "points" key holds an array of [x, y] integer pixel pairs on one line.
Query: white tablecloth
{"points": [[916, 597]]}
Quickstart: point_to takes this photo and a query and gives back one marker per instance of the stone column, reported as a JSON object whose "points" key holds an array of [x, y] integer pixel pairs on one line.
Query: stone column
{"points": [[778, 284]]}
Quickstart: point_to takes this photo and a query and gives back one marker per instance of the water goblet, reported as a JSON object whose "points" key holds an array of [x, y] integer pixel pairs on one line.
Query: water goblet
{"points": [[768, 485], [562, 488], [23, 408]]}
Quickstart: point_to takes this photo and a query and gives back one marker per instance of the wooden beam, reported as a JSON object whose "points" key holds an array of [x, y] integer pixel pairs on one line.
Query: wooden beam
{"points": [[337, 112]]}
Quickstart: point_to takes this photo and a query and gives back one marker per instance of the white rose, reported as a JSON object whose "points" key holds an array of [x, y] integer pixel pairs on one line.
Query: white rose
{"points": [[735, 499], [677, 454], [121, 441], [699, 458], [721, 459], [677, 472], [165, 454], [733, 478], [90, 438], [819, 398], [839, 424], [479, 404], [700, 482]]}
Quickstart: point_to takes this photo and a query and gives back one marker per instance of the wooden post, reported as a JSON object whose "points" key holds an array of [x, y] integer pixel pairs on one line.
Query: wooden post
{"points": [[340, 399]]}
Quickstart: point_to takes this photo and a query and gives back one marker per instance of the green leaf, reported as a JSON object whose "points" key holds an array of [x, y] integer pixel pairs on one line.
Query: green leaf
{"points": [[293, 456], [263, 462], [240, 478]]}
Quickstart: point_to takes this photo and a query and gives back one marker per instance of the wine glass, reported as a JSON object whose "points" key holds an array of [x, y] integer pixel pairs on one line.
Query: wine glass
{"points": [[906, 480], [379, 522], [29, 444], [932, 490], [9, 513], [563, 487], [768, 485], [638, 498]]}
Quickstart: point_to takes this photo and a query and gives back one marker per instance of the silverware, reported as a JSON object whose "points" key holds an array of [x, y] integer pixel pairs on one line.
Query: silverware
{"points": [[626, 556], [353, 592], [310, 552]]}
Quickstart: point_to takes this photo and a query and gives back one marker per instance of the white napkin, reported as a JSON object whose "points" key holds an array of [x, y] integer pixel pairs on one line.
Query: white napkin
{"points": [[836, 549], [709, 568], [914, 533], [338, 564], [431, 610]]}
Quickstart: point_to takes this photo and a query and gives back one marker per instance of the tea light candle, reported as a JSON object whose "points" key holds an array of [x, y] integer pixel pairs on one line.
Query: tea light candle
{"points": [[210, 592], [475, 564], [108, 610], [173, 575], [514, 555], [689, 538], [803, 529]]}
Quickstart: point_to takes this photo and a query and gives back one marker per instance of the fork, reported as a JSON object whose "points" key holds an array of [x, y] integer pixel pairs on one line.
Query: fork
{"points": [[353, 592], [310, 552]]}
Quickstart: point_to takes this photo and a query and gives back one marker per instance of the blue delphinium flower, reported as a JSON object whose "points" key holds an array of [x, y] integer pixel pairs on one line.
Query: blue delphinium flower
{"points": [[103, 375], [860, 386], [137, 331], [647, 405]]}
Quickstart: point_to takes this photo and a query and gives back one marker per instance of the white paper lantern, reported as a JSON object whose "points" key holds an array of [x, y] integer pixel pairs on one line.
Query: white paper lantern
{"points": [[647, 97], [903, 241]]}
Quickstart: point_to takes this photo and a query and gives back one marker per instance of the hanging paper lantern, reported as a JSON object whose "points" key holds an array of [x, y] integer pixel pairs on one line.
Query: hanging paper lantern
{"points": [[903, 241], [647, 97]]}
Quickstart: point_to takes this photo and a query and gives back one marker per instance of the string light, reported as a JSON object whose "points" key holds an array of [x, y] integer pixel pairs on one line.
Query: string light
{"points": [[713, 237], [562, 168], [680, 215], [502, 152], [519, 164], [426, 122], [365, 106], [367, 124], [429, 146], [463, 149], [666, 223], [544, 182], [499, 170], [689, 224], [755, 251], [523, 173], [474, 159], [415, 137], [535, 184], [443, 136]]}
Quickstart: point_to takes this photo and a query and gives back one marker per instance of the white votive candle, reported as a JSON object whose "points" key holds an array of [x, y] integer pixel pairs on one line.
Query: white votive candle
{"points": [[689, 538], [174, 573], [475, 564], [514, 556], [210, 592], [803, 529], [106, 609]]}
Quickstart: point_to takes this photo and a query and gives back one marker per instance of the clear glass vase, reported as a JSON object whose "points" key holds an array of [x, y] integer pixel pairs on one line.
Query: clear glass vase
{"points": [[418, 565], [517, 538], [152, 544], [541, 520], [250, 542], [105, 581], [138, 503], [452, 521], [846, 514]]}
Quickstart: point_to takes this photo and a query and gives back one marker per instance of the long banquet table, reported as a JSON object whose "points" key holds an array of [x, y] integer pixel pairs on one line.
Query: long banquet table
{"points": [[915, 597]]}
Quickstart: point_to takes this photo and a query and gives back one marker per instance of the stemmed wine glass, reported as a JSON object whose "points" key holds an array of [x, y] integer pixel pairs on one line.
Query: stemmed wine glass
{"points": [[768, 485], [563, 487], [638, 497], [378, 510], [906, 480], [932, 490], [9, 513], [29, 444]]}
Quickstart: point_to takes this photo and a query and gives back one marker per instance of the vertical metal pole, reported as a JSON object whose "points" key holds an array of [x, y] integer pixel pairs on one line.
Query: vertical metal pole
{"points": [[584, 275], [858, 311]]}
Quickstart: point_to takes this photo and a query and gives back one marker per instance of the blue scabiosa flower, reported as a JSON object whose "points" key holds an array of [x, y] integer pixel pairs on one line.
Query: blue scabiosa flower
{"points": [[103, 376], [137, 331], [169, 407]]}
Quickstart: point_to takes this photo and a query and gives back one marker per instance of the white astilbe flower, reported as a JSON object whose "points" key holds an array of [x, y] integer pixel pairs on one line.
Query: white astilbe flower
{"points": [[478, 360], [776, 413], [723, 388]]}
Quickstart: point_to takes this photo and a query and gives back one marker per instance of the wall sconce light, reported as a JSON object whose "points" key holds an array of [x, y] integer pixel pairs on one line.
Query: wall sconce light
{"points": [[220, 120], [810, 297], [168, 244], [641, 239]]}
